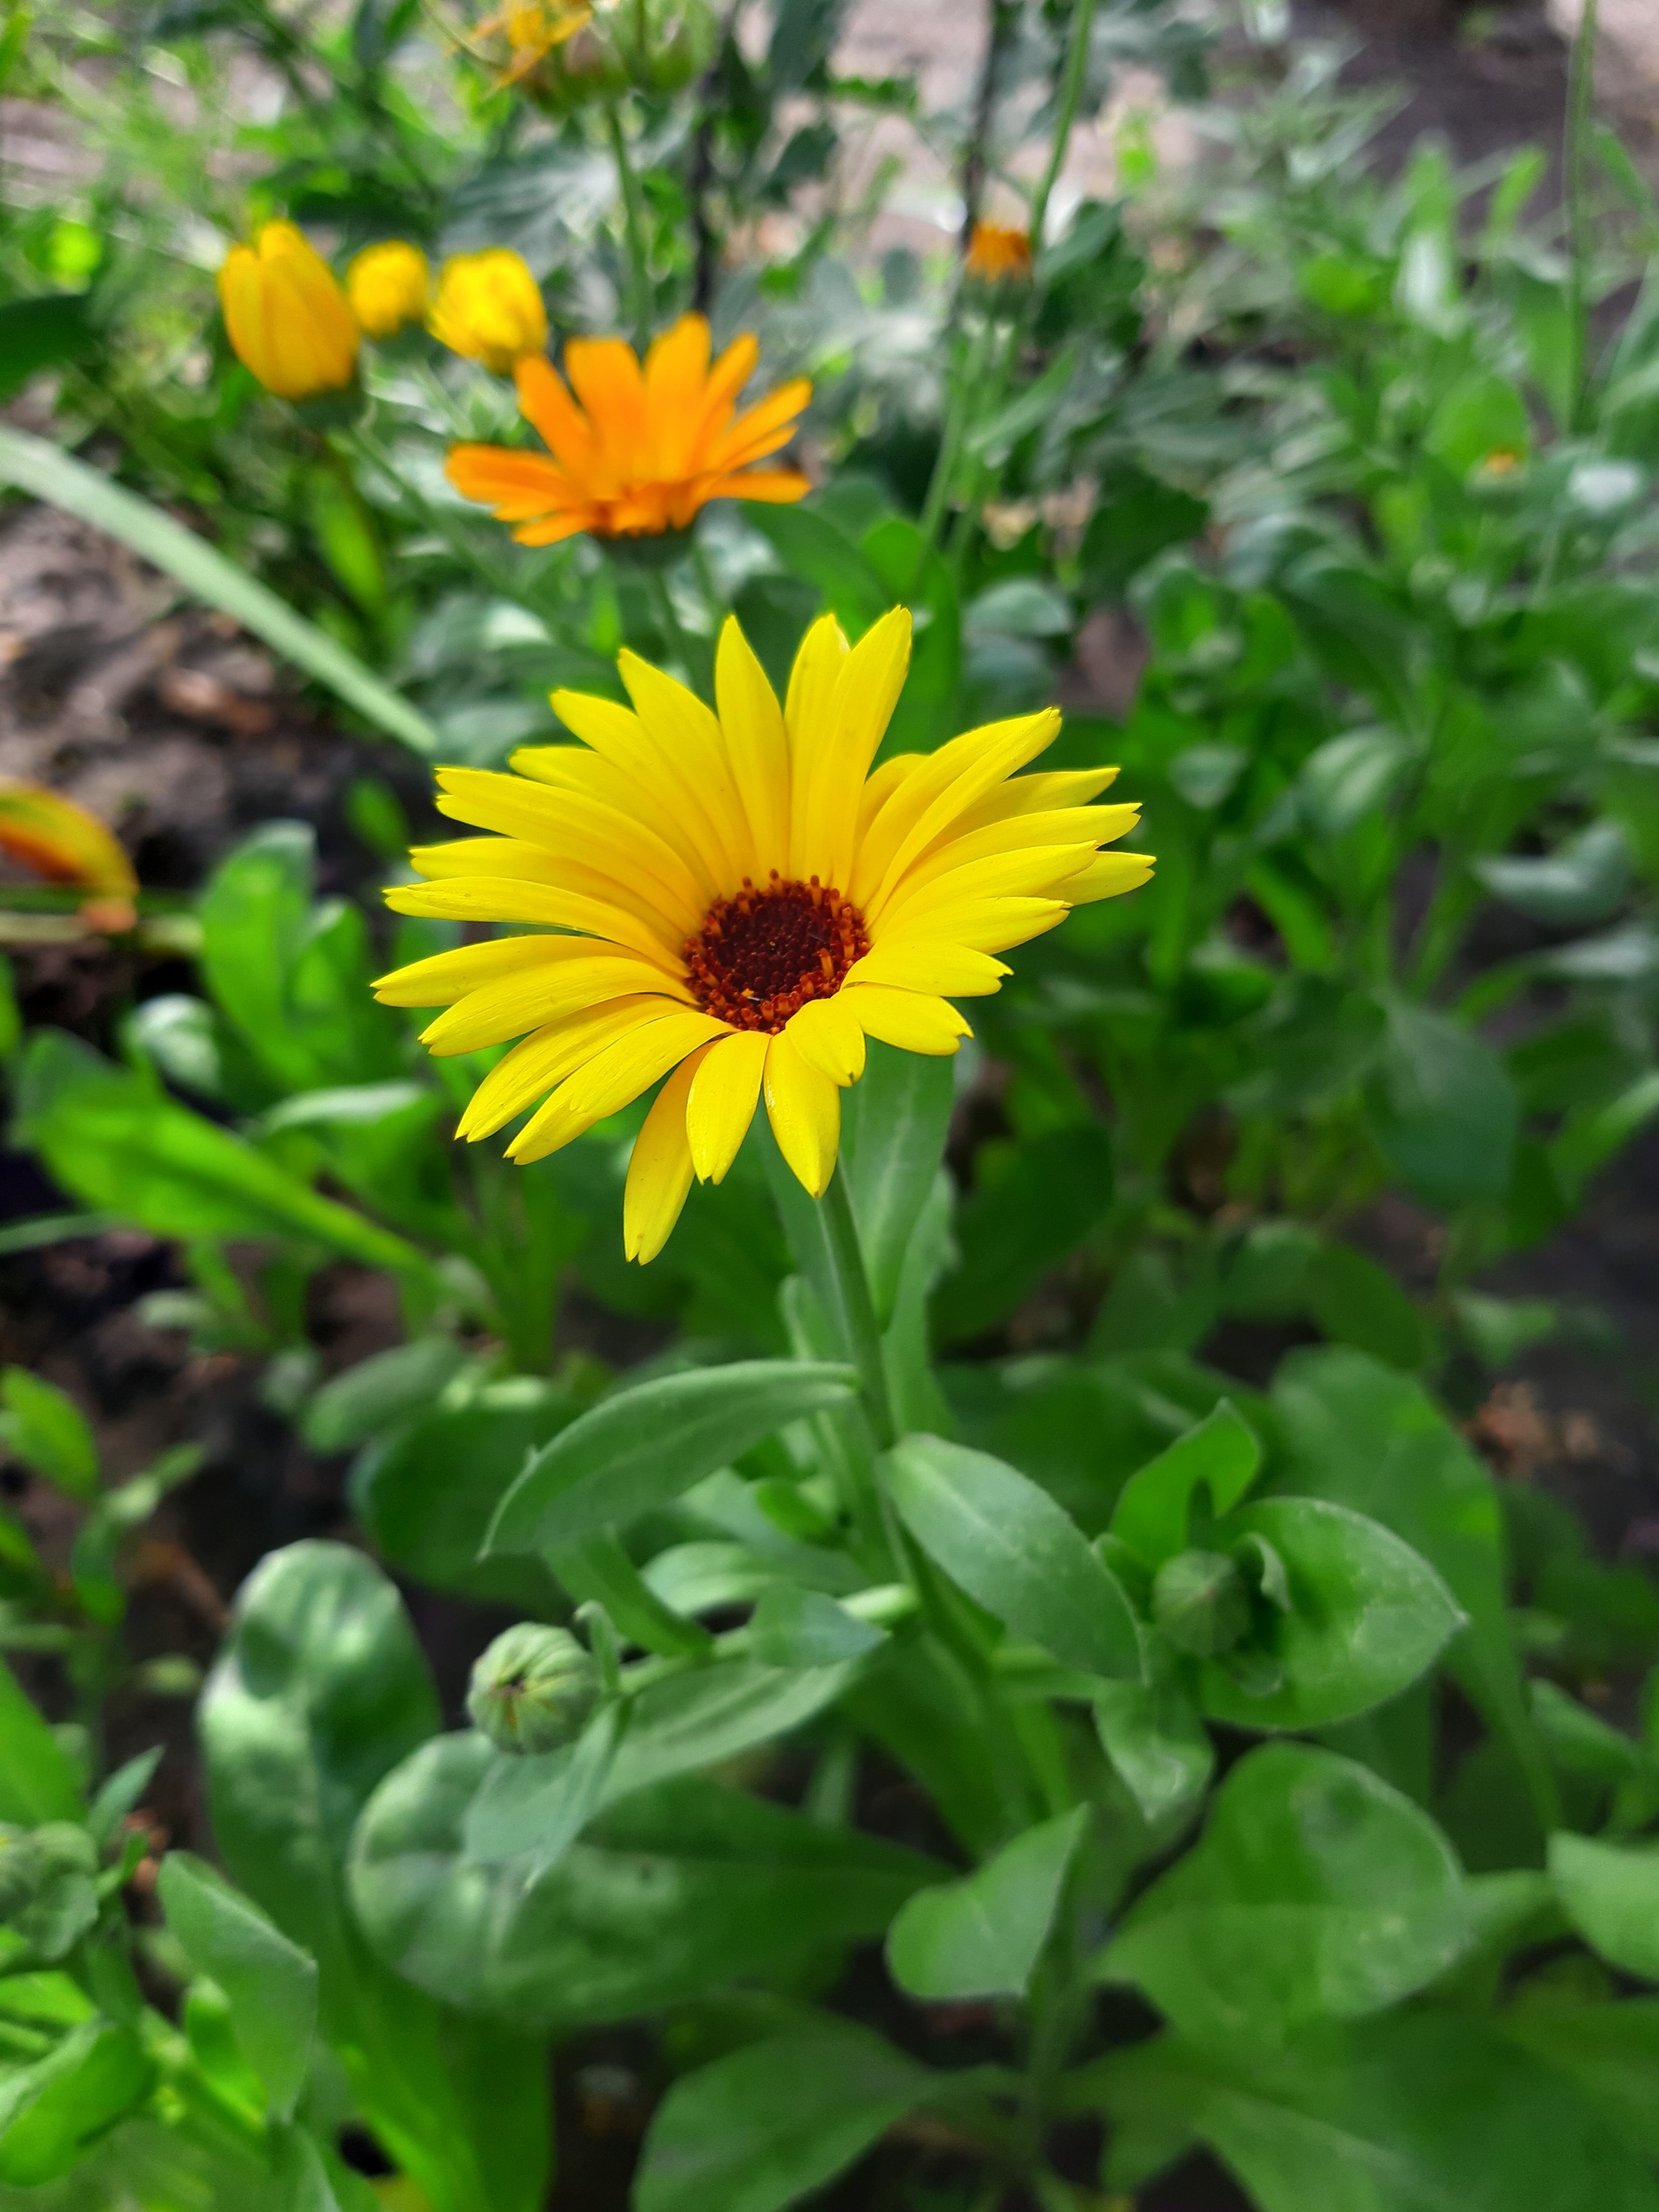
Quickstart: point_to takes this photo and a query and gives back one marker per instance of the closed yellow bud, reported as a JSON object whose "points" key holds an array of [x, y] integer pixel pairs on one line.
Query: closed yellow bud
{"points": [[387, 286], [490, 308], [287, 317]]}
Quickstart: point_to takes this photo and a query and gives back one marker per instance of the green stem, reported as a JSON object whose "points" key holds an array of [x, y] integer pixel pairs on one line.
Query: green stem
{"points": [[858, 1308], [693, 657], [1071, 95], [1580, 95], [634, 223]]}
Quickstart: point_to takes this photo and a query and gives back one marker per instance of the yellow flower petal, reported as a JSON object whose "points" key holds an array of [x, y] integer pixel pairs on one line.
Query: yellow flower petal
{"points": [[444, 977], [932, 964], [826, 1034], [838, 745], [1108, 876], [753, 722], [804, 1108], [496, 1011], [908, 1019], [503, 898], [538, 1061], [659, 1172], [941, 791], [722, 1100], [611, 1079], [807, 718]]}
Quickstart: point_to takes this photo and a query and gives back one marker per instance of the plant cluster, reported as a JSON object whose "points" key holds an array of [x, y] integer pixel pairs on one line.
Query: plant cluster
{"points": [[1028, 1681]]}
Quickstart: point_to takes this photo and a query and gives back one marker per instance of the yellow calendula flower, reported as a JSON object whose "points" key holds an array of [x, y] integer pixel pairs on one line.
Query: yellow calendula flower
{"points": [[386, 285], [997, 251], [638, 450], [287, 317], [490, 308], [739, 903]]}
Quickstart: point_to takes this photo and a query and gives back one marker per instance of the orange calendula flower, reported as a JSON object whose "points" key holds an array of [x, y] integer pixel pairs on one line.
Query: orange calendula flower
{"points": [[739, 903], [997, 251], [286, 315], [638, 451], [386, 285], [65, 844], [490, 308]]}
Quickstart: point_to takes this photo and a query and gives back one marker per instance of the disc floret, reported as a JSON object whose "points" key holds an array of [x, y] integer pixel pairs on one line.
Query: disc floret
{"points": [[761, 955]]}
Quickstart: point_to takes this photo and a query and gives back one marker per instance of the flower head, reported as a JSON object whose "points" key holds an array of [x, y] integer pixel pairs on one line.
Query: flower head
{"points": [[532, 28], [490, 308], [386, 285], [62, 844], [740, 902], [286, 318], [997, 251], [638, 451]]}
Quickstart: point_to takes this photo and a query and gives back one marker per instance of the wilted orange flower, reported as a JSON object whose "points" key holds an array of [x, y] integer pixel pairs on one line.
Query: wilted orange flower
{"points": [[637, 452], [997, 250], [65, 844], [532, 29]]}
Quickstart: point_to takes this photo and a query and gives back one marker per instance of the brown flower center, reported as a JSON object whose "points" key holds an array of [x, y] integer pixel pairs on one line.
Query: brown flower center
{"points": [[760, 956]]}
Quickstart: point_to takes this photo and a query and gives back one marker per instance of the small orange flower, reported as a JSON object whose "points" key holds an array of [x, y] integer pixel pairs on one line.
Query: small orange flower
{"points": [[997, 251], [637, 452]]}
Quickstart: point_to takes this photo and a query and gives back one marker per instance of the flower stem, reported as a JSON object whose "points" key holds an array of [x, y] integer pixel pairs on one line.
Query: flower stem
{"points": [[639, 271], [694, 661], [1581, 88], [846, 1256], [1071, 94]]}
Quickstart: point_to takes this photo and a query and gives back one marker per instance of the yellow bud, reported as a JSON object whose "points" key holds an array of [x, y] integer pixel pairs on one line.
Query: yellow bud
{"points": [[287, 317], [386, 285], [490, 308]]}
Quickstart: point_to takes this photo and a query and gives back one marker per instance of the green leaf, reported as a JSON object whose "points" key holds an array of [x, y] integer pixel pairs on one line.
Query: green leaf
{"points": [[812, 547], [1014, 1550], [271, 1982], [894, 1123], [52, 2112], [1419, 2113], [597, 1571], [1367, 1616], [1152, 1733], [1316, 1893], [320, 1690], [1152, 1513], [41, 468], [770, 2123], [41, 333], [1611, 2051], [121, 1145], [1011, 1231], [1443, 1110], [1357, 1301], [38, 1781], [982, 1936], [380, 1390], [428, 1525], [1363, 1437], [44, 1428], [671, 1893], [645, 1446], [1610, 1892], [796, 1627]]}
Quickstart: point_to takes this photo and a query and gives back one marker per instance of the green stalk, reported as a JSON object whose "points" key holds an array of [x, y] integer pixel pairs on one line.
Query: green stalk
{"points": [[1071, 94], [1581, 87], [694, 656], [633, 224], [858, 1308]]}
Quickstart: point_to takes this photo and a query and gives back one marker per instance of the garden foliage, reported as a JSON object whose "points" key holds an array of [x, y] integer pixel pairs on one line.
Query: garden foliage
{"points": [[1028, 1681]]}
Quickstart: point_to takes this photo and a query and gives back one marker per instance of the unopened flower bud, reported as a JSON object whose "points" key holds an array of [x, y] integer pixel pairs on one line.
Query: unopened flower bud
{"points": [[490, 308], [287, 317], [386, 285], [532, 1689], [1201, 1603]]}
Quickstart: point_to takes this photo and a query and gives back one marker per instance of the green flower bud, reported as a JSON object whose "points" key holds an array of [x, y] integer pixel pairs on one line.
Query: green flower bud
{"points": [[532, 1689], [1201, 1602]]}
